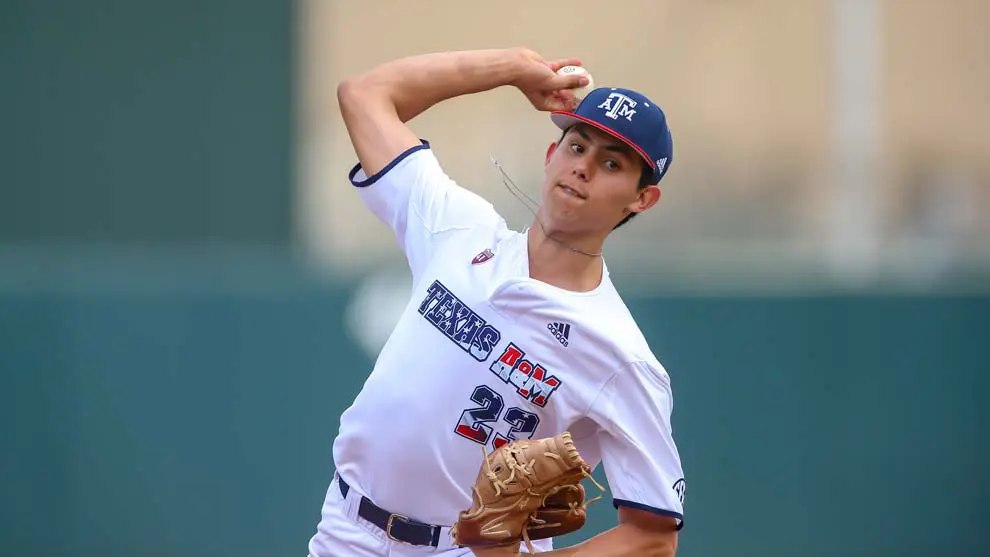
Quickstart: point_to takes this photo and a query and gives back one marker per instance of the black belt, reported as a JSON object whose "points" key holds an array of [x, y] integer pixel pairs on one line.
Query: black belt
{"points": [[396, 527]]}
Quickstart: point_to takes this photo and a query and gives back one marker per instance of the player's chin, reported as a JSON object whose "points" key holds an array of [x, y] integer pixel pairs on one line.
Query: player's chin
{"points": [[565, 207], [559, 215], [564, 222]]}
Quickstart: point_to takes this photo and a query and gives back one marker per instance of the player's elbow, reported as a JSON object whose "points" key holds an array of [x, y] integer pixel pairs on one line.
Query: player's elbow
{"points": [[348, 92], [366, 85], [362, 96], [354, 99]]}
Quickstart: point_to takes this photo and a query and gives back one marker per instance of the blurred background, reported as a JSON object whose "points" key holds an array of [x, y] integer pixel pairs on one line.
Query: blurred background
{"points": [[191, 292]]}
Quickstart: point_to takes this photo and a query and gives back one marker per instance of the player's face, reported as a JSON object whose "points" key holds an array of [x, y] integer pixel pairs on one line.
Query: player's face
{"points": [[592, 182]]}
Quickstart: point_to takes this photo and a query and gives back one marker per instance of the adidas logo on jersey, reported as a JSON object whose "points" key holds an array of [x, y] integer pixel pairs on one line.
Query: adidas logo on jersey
{"points": [[562, 331]]}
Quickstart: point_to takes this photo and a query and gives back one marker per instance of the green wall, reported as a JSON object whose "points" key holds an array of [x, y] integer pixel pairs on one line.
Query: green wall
{"points": [[162, 122], [198, 421]]}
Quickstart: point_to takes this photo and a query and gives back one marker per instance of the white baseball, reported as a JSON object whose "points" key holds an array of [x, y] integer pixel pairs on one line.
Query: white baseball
{"points": [[579, 92]]}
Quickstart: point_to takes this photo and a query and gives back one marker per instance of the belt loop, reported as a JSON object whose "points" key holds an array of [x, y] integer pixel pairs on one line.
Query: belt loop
{"points": [[350, 499], [437, 532]]}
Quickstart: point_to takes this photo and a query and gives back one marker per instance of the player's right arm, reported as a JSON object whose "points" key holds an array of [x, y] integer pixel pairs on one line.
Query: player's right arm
{"points": [[397, 175], [376, 105]]}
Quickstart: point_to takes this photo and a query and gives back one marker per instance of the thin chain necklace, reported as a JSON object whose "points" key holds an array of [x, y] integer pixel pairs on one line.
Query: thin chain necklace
{"points": [[531, 205]]}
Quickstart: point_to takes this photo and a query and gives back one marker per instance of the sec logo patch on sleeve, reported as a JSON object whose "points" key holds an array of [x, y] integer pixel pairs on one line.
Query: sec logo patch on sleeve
{"points": [[680, 488]]}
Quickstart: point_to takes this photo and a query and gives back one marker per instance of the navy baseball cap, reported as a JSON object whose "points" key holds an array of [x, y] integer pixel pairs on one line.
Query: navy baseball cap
{"points": [[630, 117]]}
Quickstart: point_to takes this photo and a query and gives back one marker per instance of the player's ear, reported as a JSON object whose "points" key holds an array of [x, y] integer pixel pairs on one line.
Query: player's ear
{"points": [[646, 198], [550, 151]]}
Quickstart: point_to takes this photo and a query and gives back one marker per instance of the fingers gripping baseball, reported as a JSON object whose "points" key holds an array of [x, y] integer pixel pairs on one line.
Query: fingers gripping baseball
{"points": [[545, 88], [567, 80]]}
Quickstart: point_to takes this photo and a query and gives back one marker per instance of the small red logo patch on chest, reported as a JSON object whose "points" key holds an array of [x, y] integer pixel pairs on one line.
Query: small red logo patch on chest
{"points": [[482, 257]]}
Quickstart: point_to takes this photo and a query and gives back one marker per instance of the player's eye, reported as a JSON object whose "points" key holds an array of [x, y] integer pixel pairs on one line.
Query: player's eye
{"points": [[577, 147], [612, 164]]}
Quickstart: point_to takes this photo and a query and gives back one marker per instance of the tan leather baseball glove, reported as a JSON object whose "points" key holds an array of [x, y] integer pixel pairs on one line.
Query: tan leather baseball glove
{"points": [[526, 490]]}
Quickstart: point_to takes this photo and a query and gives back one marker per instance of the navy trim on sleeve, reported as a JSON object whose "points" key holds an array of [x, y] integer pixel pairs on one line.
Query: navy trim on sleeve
{"points": [[633, 505], [372, 179]]}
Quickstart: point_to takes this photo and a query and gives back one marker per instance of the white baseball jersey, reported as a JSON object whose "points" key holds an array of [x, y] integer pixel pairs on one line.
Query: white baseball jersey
{"points": [[484, 354]]}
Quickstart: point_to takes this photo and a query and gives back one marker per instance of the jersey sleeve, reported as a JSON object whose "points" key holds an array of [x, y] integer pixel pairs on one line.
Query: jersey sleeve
{"points": [[639, 455], [420, 203]]}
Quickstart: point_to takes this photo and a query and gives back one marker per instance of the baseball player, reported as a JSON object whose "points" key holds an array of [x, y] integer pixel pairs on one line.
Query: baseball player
{"points": [[507, 335]]}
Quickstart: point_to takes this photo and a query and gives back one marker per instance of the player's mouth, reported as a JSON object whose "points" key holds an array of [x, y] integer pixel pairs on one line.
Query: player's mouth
{"points": [[571, 191]]}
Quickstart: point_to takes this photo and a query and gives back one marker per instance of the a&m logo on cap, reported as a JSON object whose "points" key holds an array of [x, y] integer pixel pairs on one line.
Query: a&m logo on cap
{"points": [[617, 105]]}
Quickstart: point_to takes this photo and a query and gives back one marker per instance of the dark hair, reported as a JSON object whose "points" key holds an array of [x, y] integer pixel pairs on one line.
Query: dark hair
{"points": [[645, 178]]}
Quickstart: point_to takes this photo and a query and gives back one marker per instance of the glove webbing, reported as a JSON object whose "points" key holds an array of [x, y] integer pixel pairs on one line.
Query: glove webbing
{"points": [[514, 466]]}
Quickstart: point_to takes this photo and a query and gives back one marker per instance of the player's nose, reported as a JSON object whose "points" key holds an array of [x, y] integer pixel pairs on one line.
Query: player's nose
{"points": [[582, 169]]}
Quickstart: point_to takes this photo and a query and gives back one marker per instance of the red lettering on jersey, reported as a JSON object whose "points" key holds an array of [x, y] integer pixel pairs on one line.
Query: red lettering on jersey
{"points": [[503, 366], [532, 381], [545, 388], [511, 355], [539, 373], [520, 377], [475, 434]]}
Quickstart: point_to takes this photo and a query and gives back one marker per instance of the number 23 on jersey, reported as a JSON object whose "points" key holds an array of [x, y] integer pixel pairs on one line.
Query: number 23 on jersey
{"points": [[476, 423]]}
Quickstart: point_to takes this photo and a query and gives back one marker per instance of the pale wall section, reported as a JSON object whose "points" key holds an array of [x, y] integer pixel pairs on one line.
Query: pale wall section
{"points": [[936, 121], [750, 92]]}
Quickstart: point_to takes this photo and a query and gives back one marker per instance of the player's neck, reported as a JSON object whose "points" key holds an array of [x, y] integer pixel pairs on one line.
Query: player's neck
{"points": [[564, 263]]}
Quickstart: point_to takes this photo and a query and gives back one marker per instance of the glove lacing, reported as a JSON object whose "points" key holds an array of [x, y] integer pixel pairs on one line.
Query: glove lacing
{"points": [[527, 469]]}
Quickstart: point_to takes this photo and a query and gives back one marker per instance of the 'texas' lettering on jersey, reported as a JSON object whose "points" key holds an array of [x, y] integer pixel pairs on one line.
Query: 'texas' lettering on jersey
{"points": [[458, 322], [474, 335]]}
